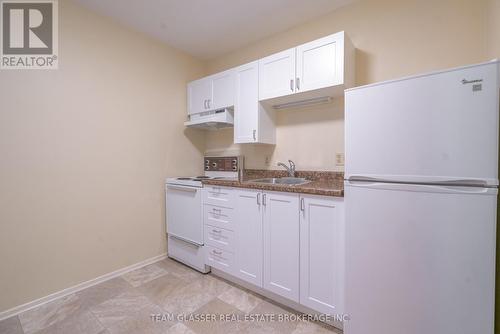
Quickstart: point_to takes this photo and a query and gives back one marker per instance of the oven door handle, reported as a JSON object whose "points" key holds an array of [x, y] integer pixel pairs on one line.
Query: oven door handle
{"points": [[185, 240], [183, 188]]}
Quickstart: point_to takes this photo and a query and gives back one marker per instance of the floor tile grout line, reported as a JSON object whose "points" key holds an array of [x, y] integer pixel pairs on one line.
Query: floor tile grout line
{"points": [[216, 296], [17, 310], [97, 319]]}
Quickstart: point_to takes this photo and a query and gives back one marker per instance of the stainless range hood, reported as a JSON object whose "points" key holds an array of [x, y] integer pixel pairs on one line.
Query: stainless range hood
{"points": [[211, 120]]}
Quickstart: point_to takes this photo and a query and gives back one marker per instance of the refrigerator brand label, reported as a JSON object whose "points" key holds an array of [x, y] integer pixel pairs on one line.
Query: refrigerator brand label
{"points": [[466, 82]]}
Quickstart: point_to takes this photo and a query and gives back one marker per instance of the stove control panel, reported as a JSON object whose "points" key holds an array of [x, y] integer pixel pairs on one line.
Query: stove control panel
{"points": [[223, 164]]}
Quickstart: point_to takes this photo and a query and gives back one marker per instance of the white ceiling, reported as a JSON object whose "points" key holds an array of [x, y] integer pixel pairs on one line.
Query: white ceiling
{"points": [[210, 28]]}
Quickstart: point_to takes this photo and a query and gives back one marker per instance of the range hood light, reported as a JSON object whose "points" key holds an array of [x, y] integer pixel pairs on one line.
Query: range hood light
{"points": [[304, 103]]}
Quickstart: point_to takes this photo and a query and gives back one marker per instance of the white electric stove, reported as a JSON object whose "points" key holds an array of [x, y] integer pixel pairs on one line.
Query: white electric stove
{"points": [[184, 214]]}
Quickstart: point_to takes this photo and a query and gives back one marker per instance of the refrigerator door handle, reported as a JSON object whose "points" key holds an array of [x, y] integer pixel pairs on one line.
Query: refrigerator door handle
{"points": [[423, 187], [411, 180]]}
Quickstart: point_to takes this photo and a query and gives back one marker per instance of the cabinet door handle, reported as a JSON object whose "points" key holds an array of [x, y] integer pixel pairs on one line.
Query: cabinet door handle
{"points": [[258, 198], [205, 104], [291, 84], [216, 252], [254, 135], [264, 199], [302, 205], [208, 103], [297, 82]]}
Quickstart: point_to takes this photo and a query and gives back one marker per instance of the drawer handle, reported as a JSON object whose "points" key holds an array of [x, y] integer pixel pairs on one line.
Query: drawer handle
{"points": [[217, 231], [216, 210], [216, 252]]}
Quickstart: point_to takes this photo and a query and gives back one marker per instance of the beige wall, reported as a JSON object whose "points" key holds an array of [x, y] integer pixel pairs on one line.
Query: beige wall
{"points": [[84, 151], [393, 38], [493, 29]]}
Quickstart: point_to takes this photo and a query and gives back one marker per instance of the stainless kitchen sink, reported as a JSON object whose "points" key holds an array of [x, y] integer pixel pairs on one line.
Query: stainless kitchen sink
{"points": [[282, 180]]}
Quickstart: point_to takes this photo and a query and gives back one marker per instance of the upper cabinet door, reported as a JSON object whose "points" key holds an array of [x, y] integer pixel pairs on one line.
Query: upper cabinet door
{"points": [[199, 93], [246, 107], [277, 75], [322, 253], [222, 90], [281, 244], [320, 63]]}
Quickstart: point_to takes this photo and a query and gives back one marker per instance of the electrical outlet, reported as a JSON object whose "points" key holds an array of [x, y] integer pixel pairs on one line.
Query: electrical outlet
{"points": [[267, 160], [339, 159]]}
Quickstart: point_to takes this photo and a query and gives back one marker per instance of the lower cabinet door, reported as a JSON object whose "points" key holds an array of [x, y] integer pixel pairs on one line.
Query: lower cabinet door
{"points": [[248, 227], [281, 244], [322, 253]]}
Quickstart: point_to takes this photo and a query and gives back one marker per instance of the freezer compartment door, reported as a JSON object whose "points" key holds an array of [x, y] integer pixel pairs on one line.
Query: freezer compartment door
{"points": [[441, 126], [419, 259]]}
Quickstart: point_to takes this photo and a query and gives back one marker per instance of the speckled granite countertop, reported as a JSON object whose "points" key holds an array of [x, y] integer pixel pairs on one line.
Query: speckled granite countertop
{"points": [[322, 183]]}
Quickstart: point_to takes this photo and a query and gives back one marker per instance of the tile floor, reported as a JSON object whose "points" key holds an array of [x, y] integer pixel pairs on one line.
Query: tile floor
{"points": [[125, 305]]}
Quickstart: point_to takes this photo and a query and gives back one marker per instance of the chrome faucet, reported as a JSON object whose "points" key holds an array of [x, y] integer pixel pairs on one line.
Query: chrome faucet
{"points": [[291, 169]]}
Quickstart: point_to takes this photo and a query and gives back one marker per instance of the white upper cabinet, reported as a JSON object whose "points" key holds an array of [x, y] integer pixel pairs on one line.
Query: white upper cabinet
{"points": [[246, 115], [281, 244], [309, 73], [211, 93], [277, 74], [222, 90], [252, 123], [318, 69], [322, 253], [320, 63], [199, 93]]}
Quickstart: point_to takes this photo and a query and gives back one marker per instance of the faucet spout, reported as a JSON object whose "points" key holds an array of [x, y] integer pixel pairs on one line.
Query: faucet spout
{"points": [[290, 169]]}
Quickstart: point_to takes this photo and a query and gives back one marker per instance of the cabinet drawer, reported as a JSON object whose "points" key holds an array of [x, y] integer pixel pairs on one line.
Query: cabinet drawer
{"points": [[220, 259], [219, 237], [218, 216], [218, 196]]}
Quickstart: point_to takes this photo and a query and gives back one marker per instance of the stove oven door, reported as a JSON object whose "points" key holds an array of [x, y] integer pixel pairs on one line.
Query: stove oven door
{"points": [[184, 214]]}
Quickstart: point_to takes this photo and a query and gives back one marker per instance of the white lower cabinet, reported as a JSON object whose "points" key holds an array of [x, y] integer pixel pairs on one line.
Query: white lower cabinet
{"points": [[220, 259], [248, 227], [219, 227], [322, 253], [290, 245], [281, 244]]}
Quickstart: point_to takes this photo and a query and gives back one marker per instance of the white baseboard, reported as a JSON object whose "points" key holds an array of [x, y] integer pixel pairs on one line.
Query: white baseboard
{"points": [[68, 291]]}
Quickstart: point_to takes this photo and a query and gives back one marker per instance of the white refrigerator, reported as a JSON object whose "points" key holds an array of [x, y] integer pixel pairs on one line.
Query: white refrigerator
{"points": [[421, 181]]}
